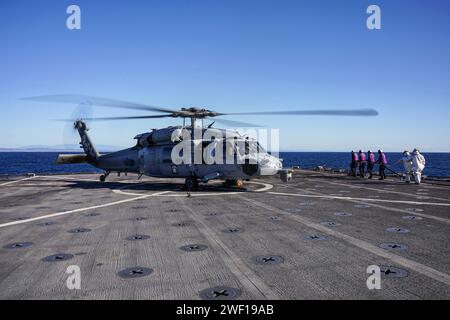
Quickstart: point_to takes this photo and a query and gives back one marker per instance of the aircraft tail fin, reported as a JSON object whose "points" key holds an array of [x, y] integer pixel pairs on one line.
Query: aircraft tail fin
{"points": [[86, 142]]}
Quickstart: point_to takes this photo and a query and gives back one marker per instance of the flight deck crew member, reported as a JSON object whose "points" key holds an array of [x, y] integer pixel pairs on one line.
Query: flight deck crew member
{"points": [[370, 162], [407, 164], [382, 161], [418, 164], [362, 164], [354, 163]]}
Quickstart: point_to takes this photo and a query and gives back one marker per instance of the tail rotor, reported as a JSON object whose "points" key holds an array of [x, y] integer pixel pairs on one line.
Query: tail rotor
{"points": [[77, 119]]}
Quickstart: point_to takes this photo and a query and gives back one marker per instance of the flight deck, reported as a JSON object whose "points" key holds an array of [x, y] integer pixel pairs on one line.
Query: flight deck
{"points": [[311, 238]]}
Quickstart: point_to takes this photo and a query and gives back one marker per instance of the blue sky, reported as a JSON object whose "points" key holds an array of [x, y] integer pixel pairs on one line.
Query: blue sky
{"points": [[230, 56]]}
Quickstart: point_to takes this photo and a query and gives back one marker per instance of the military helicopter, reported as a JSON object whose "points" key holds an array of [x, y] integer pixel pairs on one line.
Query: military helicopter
{"points": [[153, 154]]}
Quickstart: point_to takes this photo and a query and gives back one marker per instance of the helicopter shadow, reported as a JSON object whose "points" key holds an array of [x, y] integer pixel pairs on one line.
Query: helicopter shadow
{"points": [[148, 186]]}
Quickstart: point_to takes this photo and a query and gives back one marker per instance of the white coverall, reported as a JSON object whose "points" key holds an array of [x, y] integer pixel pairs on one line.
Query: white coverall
{"points": [[418, 164], [407, 163]]}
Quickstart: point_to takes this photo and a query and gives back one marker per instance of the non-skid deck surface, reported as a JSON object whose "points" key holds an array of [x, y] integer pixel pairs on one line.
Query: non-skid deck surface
{"points": [[313, 238]]}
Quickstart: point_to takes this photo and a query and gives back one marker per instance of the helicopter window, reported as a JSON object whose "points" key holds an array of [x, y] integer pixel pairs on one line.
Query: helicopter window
{"points": [[260, 149], [229, 149], [246, 147], [251, 146]]}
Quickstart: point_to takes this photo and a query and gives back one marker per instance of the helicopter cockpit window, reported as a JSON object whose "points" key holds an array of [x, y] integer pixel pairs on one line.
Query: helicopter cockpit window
{"points": [[260, 149], [246, 147], [228, 149]]}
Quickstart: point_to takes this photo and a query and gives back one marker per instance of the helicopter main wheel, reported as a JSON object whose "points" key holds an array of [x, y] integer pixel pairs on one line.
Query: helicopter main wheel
{"points": [[234, 183]]}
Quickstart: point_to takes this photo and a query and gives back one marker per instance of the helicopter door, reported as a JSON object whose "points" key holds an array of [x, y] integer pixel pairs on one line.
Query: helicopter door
{"points": [[209, 151], [168, 168], [151, 161], [141, 166]]}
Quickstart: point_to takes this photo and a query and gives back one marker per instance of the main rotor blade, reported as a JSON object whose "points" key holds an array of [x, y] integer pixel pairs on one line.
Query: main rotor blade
{"points": [[342, 112], [121, 118], [236, 124], [78, 98]]}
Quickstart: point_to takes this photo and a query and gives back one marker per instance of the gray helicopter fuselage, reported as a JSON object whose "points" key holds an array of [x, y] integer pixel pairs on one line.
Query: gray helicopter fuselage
{"points": [[153, 156]]}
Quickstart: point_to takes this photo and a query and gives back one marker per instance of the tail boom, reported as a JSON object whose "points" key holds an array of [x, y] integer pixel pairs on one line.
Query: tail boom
{"points": [[71, 158], [86, 142]]}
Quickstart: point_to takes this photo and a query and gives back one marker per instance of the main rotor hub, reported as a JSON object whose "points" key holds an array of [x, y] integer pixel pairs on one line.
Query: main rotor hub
{"points": [[194, 112]]}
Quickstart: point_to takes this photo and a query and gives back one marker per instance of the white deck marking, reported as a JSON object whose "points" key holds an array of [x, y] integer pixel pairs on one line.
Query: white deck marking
{"points": [[242, 272], [382, 190], [266, 187], [370, 201], [424, 184], [90, 180], [57, 214], [11, 182], [364, 199], [410, 264]]}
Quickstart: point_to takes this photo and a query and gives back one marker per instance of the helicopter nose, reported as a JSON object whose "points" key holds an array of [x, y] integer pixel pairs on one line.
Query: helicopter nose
{"points": [[269, 166]]}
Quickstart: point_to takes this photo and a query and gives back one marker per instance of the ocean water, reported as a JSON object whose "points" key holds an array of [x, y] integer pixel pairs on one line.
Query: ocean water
{"points": [[38, 162], [438, 164]]}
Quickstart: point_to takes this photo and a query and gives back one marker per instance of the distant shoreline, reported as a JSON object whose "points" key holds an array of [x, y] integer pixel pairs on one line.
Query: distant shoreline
{"points": [[5, 150], [24, 161]]}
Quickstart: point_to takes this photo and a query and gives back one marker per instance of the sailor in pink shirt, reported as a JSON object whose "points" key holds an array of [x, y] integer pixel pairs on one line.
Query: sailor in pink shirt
{"points": [[354, 163], [370, 162], [362, 163], [382, 161]]}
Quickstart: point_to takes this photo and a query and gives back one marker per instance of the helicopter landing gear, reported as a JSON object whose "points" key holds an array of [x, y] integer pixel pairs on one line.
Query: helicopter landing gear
{"points": [[191, 183], [233, 183], [103, 176]]}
